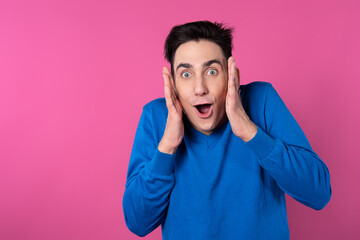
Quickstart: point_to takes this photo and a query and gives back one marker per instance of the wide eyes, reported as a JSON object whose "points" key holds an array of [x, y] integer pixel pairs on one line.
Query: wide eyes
{"points": [[211, 72], [185, 74]]}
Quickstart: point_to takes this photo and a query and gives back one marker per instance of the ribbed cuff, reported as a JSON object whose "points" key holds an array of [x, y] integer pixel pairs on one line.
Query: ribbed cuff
{"points": [[162, 163], [261, 144]]}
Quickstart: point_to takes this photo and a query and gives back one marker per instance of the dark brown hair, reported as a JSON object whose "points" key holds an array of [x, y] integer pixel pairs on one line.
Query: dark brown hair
{"points": [[195, 31]]}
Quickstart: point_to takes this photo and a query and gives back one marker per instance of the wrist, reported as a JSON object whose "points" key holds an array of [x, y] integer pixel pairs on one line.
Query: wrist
{"points": [[166, 148], [248, 132]]}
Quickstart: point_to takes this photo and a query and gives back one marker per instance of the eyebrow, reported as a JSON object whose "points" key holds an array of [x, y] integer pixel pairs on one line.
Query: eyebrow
{"points": [[205, 64]]}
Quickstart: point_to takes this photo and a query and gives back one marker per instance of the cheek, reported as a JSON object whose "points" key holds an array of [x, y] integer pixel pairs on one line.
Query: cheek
{"points": [[182, 92], [220, 92]]}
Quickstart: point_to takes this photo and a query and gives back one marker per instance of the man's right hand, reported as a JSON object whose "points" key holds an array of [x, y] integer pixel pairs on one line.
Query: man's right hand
{"points": [[174, 130]]}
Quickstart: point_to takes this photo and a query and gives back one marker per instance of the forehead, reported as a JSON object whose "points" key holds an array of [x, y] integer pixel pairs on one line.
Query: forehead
{"points": [[197, 52]]}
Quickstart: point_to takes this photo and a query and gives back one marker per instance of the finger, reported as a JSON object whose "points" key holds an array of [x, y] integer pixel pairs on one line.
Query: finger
{"points": [[233, 73], [232, 67], [166, 71], [230, 60], [231, 83], [166, 87], [172, 102]]}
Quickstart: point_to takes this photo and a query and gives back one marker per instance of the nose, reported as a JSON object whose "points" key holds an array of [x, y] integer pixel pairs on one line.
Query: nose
{"points": [[200, 86]]}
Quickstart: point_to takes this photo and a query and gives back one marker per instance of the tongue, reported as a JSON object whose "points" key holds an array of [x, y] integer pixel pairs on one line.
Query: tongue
{"points": [[203, 108]]}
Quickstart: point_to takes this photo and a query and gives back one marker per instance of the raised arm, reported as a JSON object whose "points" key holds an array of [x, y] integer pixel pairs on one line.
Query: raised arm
{"points": [[150, 175], [280, 144], [286, 154]]}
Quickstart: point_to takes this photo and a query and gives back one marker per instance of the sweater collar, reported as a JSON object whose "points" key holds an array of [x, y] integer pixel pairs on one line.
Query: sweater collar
{"points": [[194, 135]]}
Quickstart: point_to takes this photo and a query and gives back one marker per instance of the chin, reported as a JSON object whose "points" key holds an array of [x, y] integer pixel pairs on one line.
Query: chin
{"points": [[207, 125], [206, 128]]}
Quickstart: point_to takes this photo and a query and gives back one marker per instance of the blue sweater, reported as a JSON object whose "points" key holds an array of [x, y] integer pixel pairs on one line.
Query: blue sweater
{"points": [[218, 186]]}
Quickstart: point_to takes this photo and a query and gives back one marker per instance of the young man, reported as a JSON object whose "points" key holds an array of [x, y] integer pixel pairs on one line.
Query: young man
{"points": [[213, 160]]}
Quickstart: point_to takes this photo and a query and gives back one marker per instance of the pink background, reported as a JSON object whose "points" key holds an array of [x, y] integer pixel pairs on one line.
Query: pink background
{"points": [[74, 76]]}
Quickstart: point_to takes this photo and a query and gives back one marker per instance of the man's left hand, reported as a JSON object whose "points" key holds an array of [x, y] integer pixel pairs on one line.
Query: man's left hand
{"points": [[240, 122]]}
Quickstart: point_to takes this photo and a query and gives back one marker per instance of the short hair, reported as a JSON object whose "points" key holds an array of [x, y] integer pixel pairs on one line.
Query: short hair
{"points": [[196, 31]]}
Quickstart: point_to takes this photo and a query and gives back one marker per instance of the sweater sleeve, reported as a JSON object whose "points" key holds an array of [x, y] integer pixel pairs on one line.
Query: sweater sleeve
{"points": [[149, 182], [284, 151]]}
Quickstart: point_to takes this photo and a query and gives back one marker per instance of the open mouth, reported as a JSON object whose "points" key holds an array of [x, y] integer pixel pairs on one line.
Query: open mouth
{"points": [[203, 110]]}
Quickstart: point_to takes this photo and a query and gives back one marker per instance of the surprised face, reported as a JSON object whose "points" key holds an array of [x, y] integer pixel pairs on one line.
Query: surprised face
{"points": [[200, 72]]}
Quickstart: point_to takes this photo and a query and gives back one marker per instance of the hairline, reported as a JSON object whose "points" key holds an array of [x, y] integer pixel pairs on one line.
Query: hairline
{"points": [[205, 64], [195, 40]]}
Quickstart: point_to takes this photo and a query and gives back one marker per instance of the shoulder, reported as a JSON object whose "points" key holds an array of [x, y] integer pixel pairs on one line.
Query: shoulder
{"points": [[255, 93], [257, 88], [254, 98], [155, 115], [156, 107], [158, 104]]}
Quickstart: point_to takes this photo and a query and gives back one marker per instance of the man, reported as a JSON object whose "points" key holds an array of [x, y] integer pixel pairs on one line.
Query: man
{"points": [[213, 160]]}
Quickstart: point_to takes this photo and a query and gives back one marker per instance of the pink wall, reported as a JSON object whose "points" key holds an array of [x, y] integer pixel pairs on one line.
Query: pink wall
{"points": [[74, 76]]}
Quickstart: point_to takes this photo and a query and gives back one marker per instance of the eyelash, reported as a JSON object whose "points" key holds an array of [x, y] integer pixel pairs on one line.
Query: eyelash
{"points": [[182, 74], [213, 70]]}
